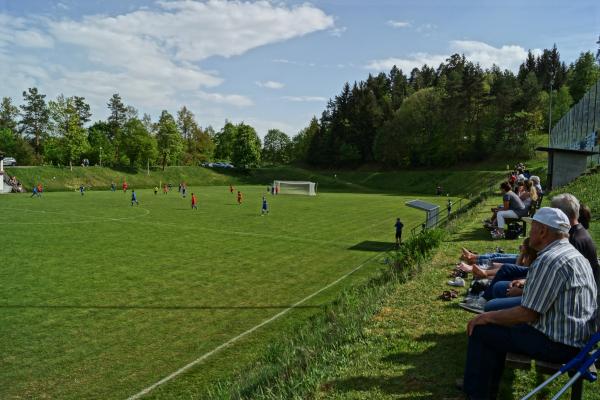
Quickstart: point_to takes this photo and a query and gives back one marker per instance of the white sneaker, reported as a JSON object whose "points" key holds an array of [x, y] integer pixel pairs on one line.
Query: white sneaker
{"points": [[458, 282]]}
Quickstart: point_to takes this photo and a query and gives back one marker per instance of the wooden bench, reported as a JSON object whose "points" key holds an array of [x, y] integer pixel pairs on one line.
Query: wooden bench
{"points": [[518, 221], [520, 361]]}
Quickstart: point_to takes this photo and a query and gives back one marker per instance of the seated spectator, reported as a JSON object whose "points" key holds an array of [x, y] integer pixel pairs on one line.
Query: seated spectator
{"points": [[557, 315], [585, 215], [513, 207], [536, 183], [473, 258], [579, 237]]}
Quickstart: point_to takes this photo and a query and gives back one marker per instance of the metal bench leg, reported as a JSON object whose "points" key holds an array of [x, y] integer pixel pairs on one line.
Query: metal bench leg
{"points": [[577, 390]]}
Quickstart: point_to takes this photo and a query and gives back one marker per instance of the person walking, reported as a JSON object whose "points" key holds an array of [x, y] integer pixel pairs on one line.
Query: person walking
{"points": [[134, 198]]}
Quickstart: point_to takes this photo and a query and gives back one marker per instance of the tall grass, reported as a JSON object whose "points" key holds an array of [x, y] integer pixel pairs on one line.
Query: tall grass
{"points": [[293, 367]]}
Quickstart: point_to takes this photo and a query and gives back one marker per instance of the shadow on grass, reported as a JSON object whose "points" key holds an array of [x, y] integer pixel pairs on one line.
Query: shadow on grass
{"points": [[141, 307], [369, 245], [430, 373]]}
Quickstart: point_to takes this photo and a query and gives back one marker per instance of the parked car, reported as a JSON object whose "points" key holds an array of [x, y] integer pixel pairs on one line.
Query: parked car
{"points": [[8, 161]]}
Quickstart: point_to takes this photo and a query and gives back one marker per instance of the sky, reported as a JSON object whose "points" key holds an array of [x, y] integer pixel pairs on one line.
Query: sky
{"points": [[270, 64]]}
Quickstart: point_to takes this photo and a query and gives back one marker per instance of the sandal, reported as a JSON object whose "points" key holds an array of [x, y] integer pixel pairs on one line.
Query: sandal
{"points": [[448, 295]]}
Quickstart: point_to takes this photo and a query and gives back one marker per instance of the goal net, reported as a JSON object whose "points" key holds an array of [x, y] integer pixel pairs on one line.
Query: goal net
{"points": [[296, 187]]}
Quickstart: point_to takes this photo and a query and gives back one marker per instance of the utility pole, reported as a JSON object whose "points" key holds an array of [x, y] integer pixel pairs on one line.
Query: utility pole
{"points": [[550, 108]]}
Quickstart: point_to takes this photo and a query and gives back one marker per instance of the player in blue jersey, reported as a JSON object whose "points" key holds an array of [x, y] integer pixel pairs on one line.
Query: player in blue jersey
{"points": [[134, 198], [265, 207]]}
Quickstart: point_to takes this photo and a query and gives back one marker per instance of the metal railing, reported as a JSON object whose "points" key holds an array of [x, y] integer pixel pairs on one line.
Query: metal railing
{"points": [[460, 207]]}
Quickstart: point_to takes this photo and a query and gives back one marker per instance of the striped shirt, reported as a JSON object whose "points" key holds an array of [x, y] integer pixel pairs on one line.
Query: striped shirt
{"points": [[561, 288]]}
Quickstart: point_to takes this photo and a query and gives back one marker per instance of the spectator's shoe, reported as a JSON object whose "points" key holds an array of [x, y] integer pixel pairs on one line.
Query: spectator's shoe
{"points": [[496, 235], [474, 305], [458, 282]]}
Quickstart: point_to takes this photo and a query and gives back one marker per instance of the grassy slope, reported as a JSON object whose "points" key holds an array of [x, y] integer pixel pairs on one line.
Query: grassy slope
{"points": [[455, 182], [415, 346], [100, 299]]}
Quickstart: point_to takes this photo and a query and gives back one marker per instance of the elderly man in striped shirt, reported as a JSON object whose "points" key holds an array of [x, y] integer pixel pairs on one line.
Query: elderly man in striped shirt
{"points": [[557, 315]]}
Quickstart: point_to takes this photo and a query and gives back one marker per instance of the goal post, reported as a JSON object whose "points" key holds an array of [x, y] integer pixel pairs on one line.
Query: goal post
{"points": [[296, 187]]}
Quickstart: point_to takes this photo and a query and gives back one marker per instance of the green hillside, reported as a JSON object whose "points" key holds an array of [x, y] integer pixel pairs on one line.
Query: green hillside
{"points": [[454, 182]]}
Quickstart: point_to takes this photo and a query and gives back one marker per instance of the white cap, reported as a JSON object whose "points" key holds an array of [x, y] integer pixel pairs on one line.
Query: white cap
{"points": [[521, 177], [552, 217], [535, 178]]}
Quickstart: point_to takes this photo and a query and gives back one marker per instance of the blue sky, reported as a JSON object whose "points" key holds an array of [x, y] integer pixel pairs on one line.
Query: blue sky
{"points": [[272, 64]]}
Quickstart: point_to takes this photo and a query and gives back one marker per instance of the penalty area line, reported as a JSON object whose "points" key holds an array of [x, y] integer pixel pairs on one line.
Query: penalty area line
{"points": [[246, 333]]}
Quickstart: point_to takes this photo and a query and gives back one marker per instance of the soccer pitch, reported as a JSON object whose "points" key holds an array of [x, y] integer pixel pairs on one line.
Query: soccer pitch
{"points": [[99, 299]]}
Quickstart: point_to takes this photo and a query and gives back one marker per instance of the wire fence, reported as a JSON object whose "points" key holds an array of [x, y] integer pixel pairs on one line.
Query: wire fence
{"points": [[460, 207], [578, 128]]}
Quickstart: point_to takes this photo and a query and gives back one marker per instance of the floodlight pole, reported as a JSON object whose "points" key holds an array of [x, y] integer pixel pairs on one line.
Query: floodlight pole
{"points": [[550, 109]]}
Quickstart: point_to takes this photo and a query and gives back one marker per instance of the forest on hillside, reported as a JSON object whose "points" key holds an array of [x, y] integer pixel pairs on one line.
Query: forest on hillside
{"points": [[430, 117]]}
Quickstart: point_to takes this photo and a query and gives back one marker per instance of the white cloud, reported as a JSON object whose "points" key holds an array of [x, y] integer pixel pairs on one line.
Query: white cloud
{"points": [[151, 56], [506, 57], [304, 98], [337, 32], [291, 62], [32, 38], [427, 29], [230, 99], [407, 64], [398, 24], [270, 84]]}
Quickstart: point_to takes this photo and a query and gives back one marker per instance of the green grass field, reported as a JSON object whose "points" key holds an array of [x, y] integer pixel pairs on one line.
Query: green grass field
{"points": [[100, 299]]}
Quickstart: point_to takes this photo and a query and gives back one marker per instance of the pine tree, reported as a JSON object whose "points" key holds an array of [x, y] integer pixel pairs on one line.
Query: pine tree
{"points": [[8, 115], [116, 121], [35, 116]]}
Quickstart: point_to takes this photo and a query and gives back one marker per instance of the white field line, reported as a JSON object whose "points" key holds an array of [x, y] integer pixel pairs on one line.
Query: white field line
{"points": [[241, 335]]}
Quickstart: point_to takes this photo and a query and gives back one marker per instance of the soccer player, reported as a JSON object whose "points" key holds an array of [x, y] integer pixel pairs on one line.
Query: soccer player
{"points": [[239, 197], [34, 192], [265, 207], [194, 202], [165, 189], [399, 225], [81, 189], [231, 189], [134, 198], [125, 186], [155, 190], [113, 187], [183, 189]]}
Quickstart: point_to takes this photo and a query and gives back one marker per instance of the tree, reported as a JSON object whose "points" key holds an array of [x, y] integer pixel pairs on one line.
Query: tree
{"points": [[201, 146], [246, 147], [35, 115], [81, 108], [584, 74], [75, 140], [137, 144], [102, 150], [301, 142], [276, 147], [116, 121], [224, 140], [168, 139], [186, 123], [8, 115]]}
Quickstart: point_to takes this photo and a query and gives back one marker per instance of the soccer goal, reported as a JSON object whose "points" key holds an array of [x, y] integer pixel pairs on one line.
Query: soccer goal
{"points": [[296, 187]]}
